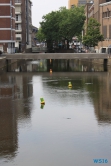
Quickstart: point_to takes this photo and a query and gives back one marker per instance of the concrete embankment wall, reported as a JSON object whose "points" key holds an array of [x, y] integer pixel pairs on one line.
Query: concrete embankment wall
{"points": [[98, 61], [101, 61], [3, 63]]}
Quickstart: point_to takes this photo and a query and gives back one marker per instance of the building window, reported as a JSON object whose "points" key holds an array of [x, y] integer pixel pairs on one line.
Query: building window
{"points": [[103, 50], [106, 14], [18, 33], [16, 26], [18, 38], [16, 17], [72, 6], [105, 31], [17, 1]]}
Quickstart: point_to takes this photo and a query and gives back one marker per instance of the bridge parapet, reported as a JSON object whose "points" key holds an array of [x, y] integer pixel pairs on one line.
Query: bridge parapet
{"points": [[35, 56]]}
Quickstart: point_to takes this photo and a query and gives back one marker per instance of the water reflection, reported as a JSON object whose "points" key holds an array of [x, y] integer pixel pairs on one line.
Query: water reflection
{"points": [[42, 106], [74, 65], [54, 66], [74, 125], [14, 109], [97, 88]]}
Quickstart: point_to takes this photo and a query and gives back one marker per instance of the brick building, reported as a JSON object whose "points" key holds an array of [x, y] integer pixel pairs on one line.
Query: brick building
{"points": [[23, 24], [105, 21], [89, 12], [7, 25], [72, 3], [101, 11]]}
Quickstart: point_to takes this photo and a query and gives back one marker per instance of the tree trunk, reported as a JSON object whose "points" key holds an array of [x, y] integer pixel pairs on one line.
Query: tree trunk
{"points": [[67, 44], [50, 46]]}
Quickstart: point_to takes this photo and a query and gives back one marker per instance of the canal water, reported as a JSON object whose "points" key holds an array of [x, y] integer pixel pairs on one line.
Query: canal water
{"points": [[72, 128], [54, 65]]}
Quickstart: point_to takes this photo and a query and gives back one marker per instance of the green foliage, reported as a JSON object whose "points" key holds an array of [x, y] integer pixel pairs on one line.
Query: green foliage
{"points": [[72, 21], [93, 35], [40, 35], [63, 24], [79, 37]]}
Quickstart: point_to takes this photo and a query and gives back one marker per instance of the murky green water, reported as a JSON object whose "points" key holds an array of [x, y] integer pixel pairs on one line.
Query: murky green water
{"points": [[71, 129]]}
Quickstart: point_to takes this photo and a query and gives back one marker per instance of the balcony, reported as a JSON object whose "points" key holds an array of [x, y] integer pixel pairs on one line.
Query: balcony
{"points": [[18, 2], [18, 29], [19, 21], [18, 12]]}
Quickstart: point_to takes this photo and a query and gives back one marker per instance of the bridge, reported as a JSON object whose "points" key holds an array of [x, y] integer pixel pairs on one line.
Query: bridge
{"points": [[35, 56]]}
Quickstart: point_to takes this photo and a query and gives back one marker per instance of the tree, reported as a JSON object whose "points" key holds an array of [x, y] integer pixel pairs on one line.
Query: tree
{"points": [[62, 25], [50, 28], [93, 35], [72, 21], [40, 35]]}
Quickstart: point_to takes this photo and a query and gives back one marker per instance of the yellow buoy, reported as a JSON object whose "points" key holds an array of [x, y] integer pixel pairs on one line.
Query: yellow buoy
{"points": [[42, 100], [70, 85]]}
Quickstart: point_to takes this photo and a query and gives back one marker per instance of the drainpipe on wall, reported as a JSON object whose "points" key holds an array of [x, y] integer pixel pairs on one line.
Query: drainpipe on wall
{"points": [[27, 21], [102, 29]]}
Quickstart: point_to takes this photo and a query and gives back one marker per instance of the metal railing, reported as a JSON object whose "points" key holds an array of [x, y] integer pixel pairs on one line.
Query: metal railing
{"points": [[18, 20], [17, 28]]}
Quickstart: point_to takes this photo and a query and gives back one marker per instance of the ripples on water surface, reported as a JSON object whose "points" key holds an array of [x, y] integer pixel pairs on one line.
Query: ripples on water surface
{"points": [[72, 128]]}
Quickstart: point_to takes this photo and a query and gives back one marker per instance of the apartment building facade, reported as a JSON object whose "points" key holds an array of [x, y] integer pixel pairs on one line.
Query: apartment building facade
{"points": [[105, 21], [89, 12], [72, 3], [7, 26], [101, 11], [23, 25]]}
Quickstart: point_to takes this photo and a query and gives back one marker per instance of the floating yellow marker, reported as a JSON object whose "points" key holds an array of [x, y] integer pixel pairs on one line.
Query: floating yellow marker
{"points": [[42, 100], [70, 85]]}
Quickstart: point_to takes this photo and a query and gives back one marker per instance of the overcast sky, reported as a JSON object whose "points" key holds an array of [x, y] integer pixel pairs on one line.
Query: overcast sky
{"points": [[42, 7]]}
